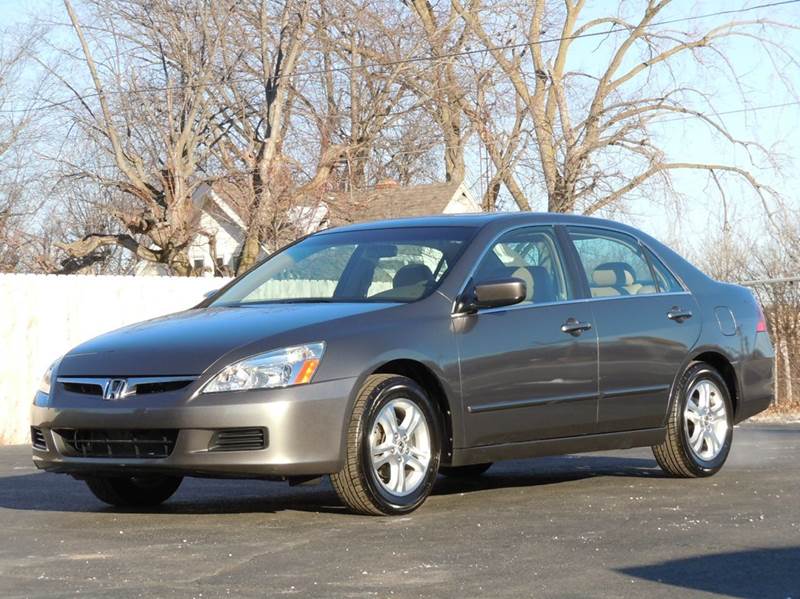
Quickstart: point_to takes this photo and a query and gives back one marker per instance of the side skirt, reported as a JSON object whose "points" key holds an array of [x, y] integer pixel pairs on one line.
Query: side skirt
{"points": [[579, 444]]}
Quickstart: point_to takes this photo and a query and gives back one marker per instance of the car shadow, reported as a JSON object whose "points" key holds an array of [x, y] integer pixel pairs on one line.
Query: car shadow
{"points": [[51, 492], [765, 572], [549, 470]]}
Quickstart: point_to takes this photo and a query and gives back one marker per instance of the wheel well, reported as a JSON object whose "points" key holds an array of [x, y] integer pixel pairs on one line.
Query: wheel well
{"points": [[726, 370], [426, 379]]}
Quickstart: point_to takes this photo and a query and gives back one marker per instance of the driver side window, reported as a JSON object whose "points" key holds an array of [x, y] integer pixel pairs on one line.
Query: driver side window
{"points": [[531, 255]]}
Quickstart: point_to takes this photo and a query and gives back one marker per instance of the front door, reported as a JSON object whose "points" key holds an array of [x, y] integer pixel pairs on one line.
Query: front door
{"points": [[646, 323], [528, 371]]}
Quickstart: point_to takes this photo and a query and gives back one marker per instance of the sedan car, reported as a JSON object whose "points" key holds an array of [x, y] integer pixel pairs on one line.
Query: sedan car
{"points": [[383, 354]]}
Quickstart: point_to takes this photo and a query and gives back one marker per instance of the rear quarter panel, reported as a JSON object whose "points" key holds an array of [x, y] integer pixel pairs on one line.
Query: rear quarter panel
{"points": [[750, 353]]}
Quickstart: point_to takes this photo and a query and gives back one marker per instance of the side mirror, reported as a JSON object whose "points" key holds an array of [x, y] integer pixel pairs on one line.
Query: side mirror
{"points": [[209, 294], [495, 294]]}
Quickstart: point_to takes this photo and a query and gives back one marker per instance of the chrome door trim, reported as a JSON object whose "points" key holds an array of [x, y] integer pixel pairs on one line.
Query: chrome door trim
{"points": [[572, 301], [527, 403], [552, 226]]}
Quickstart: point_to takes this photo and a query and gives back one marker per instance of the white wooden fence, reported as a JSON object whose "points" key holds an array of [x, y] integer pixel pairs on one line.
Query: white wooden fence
{"points": [[43, 316]]}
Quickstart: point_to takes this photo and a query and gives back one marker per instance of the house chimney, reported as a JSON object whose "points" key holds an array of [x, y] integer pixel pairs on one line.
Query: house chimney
{"points": [[387, 184]]}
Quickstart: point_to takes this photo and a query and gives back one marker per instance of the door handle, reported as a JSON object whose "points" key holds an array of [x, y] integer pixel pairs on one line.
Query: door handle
{"points": [[575, 327], [679, 315]]}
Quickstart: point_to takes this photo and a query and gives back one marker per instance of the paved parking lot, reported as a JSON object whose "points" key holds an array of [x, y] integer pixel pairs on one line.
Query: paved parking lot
{"points": [[604, 524]]}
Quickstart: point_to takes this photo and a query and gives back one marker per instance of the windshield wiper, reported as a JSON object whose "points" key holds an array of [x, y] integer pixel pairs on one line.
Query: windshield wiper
{"points": [[299, 300]]}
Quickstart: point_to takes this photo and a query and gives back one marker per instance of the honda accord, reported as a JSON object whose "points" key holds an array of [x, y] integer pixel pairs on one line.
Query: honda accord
{"points": [[383, 354]]}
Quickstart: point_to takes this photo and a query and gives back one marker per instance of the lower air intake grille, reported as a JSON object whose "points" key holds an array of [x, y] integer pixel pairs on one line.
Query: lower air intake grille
{"points": [[238, 439], [37, 438], [143, 444]]}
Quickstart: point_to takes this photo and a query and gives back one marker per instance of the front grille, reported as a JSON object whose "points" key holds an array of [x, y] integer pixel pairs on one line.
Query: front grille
{"points": [[125, 387], [238, 439], [84, 388], [37, 438], [161, 387], [142, 444]]}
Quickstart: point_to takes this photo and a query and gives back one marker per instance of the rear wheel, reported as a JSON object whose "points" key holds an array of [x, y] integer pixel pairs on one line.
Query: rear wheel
{"points": [[700, 426], [133, 491], [393, 444], [464, 471]]}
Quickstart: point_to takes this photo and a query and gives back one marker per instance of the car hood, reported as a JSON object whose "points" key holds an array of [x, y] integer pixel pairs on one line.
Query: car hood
{"points": [[188, 342]]}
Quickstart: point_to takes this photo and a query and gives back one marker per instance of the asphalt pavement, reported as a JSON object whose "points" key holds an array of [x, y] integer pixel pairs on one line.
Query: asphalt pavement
{"points": [[593, 525]]}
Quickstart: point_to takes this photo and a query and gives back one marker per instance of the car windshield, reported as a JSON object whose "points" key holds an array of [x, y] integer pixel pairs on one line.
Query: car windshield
{"points": [[373, 265]]}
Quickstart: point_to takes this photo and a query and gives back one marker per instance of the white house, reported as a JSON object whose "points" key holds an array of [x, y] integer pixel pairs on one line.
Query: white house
{"points": [[220, 221]]}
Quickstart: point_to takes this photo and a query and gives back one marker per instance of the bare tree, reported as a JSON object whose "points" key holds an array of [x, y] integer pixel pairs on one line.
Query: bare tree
{"points": [[309, 111], [444, 37], [465, 102], [769, 265], [595, 130], [287, 102], [777, 263], [151, 118], [16, 117], [254, 115]]}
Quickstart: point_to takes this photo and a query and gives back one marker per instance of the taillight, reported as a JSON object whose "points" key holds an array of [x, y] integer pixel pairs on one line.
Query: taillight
{"points": [[761, 324]]}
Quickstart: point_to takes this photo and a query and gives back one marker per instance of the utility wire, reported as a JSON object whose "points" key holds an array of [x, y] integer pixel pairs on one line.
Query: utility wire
{"points": [[725, 112], [413, 59]]}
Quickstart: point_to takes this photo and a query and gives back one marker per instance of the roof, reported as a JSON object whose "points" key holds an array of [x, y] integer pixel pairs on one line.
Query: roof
{"points": [[391, 201], [481, 219], [230, 197]]}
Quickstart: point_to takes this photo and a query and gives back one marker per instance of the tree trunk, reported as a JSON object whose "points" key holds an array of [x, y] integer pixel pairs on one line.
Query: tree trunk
{"points": [[250, 250]]}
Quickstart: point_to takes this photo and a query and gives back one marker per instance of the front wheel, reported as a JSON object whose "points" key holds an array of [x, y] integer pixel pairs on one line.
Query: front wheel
{"points": [[133, 491], [700, 426], [393, 448]]}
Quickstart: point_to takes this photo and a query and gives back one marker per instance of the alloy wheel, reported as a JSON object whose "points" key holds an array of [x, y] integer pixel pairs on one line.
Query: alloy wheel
{"points": [[705, 420], [400, 447]]}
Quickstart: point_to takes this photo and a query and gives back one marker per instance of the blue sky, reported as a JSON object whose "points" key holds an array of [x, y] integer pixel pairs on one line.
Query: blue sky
{"points": [[700, 212]]}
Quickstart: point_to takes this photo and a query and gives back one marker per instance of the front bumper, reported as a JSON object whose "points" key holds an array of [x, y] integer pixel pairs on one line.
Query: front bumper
{"points": [[305, 430]]}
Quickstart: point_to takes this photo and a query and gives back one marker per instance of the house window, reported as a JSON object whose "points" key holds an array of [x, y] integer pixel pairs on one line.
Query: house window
{"points": [[199, 264]]}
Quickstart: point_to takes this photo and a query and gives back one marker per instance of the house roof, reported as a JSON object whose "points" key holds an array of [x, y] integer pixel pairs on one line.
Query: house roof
{"points": [[390, 201], [233, 196]]}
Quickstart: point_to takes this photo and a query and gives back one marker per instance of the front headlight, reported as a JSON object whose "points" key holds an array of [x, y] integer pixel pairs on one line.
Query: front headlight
{"points": [[47, 379], [279, 368]]}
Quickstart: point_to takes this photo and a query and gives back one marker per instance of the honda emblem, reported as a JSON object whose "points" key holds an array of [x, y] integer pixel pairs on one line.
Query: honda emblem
{"points": [[115, 389]]}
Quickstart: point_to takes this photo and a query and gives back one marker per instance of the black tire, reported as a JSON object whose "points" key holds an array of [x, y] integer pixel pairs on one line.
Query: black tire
{"points": [[674, 454], [357, 484], [134, 491], [468, 471]]}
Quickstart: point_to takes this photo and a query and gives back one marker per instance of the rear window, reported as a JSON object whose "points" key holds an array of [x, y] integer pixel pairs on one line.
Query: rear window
{"points": [[665, 279]]}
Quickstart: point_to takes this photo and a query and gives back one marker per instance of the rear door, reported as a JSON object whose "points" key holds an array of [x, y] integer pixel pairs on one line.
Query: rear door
{"points": [[646, 323], [523, 377]]}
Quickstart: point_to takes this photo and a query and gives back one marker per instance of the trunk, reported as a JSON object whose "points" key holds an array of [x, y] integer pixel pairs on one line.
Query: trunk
{"points": [[450, 117], [787, 372], [562, 199], [454, 164], [490, 197], [516, 191], [357, 166], [250, 250]]}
